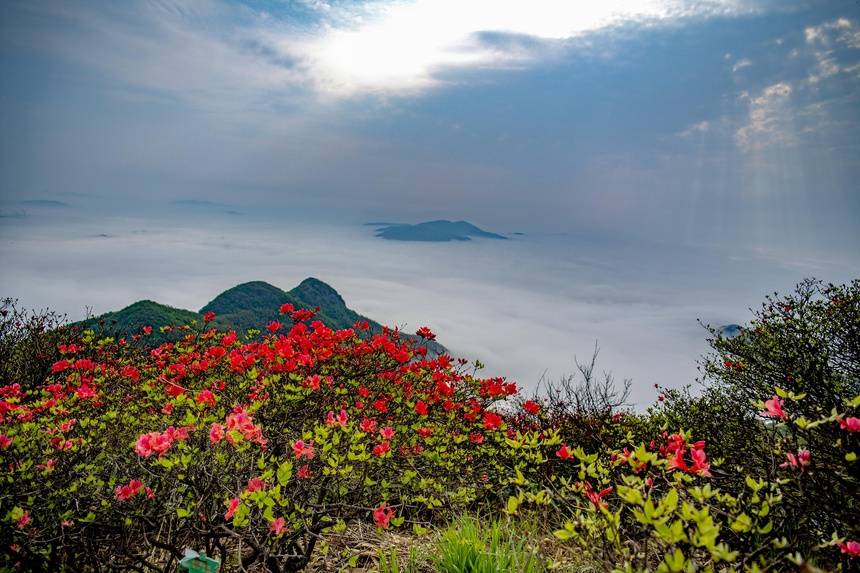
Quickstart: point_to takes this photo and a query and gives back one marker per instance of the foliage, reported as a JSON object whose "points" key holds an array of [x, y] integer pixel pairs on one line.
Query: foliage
{"points": [[262, 451]]}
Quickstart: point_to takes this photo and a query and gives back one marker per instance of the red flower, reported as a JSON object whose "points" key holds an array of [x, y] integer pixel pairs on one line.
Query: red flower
{"points": [[492, 421], [340, 420], [387, 433], [476, 438], [147, 330], [851, 424], [564, 452], [531, 407], [773, 408], [425, 333], [125, 492], [5, 441], [425, 432], [232, 506], [380, 406], [23, 521], [301, 449], [274, 326], [209, 316], [278, 526], [60, 365], [131, 373], [206, 397], [255, 484], [381, 449], [304, 472], [367, 426], [420, 408], [286, 308], [382, 516]]}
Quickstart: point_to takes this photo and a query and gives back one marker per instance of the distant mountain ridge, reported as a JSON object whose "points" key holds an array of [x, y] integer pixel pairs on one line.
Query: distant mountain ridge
{"points": [[433, 231], [245, 306]]}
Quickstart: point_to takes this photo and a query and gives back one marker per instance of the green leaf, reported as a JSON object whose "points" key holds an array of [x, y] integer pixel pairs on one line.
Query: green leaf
{"points": [[285, 472]]}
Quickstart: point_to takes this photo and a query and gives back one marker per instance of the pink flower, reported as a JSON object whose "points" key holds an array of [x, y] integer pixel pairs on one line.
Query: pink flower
{"points": [[387, 432], [340, 420], [801, 460], [304, 472], [700, 462], [232, 506], [216, 433], [301, 449], [152, 443], [255, 484], [851, 424], [773, 408], [23, 521], [5, 441], [851, 548], [278, 526], [382, 516]]}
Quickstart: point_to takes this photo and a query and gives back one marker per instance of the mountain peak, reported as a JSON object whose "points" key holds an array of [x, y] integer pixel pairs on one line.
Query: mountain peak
{"points": [[315, 292]]}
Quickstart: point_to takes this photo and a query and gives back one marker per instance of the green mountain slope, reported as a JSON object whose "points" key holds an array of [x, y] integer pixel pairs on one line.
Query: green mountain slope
{"points": [[250, 305]]}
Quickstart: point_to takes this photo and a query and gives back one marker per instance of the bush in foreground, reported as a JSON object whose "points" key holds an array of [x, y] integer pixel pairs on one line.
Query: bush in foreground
{"points": [[262, 452]]}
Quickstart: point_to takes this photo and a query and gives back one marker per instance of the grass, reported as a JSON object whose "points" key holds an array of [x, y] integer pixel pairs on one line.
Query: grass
{"points": [[472, 546]]}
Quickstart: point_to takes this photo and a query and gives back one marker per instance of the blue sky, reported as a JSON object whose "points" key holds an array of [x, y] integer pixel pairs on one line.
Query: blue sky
{"points": [[694, 121]]}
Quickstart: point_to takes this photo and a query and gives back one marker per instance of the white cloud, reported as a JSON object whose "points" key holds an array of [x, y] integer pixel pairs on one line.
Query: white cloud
{"points": [[699, 128], [401, 47], [825, 40], [769, 119], [741, 64]]}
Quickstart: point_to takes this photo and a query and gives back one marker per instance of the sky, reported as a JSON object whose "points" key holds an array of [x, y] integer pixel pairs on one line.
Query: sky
{"points": [[666, 159]]}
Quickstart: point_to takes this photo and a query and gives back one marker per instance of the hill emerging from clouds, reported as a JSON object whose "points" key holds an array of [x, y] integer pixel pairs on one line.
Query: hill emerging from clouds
{"points": [[434, 231], [250, 305]]}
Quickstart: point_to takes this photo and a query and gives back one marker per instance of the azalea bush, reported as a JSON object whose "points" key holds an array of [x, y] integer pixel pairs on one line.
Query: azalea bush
{"points": [[253, 451], [263, 449]]}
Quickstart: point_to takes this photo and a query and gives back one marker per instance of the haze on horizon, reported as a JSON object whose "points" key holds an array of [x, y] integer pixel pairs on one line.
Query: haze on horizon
{"points": [[667, 160]]}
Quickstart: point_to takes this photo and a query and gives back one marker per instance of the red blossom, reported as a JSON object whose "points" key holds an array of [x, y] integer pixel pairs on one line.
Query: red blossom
{"points": [[851, 424], [492, 421], [301, 449], [425, 333], [564, 452], [209, 316], [382, 516], [232, 506], [531, 407], [421, 408]]}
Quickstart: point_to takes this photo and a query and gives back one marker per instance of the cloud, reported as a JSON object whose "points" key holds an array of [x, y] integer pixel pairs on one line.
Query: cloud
{"points": [[399, 47], [222, 55], [826, 40], [699, 128], [769, 119], [741, 64]]}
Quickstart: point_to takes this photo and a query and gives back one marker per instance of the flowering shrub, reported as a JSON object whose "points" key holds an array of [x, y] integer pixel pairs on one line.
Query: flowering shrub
{"points": [[253, 451], [261, 451]]}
